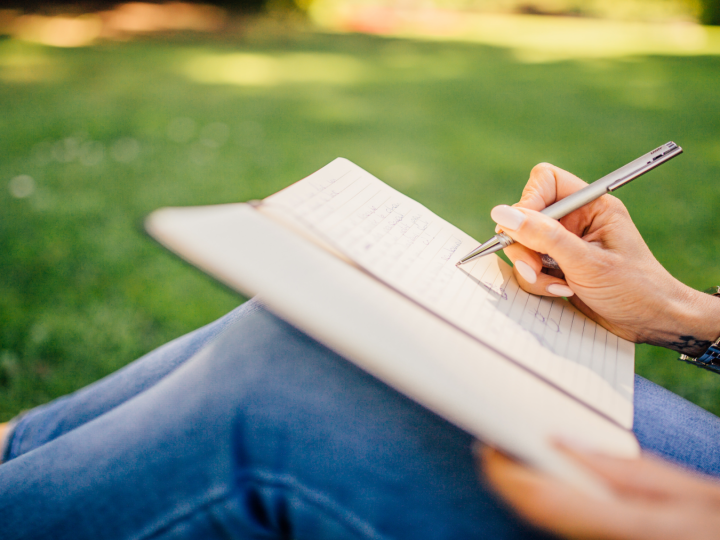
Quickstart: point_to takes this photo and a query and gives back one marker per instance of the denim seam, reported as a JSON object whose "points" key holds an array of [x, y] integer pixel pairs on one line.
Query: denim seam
{"points": [[319, 500], [15, 438], [160, 527], [356, 526]]}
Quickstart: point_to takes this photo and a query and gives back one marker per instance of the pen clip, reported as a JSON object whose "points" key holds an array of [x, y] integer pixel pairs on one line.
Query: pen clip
{"points": [[647, 163]]}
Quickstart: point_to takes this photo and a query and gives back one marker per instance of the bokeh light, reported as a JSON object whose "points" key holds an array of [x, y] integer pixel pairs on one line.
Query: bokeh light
{"points": [[122, 22], [256, 69], [21, 186], [125, 150]]}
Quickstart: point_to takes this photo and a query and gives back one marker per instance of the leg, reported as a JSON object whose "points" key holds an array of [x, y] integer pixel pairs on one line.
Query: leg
{"points": [[49, 421], [263, 433], [675, 429]]}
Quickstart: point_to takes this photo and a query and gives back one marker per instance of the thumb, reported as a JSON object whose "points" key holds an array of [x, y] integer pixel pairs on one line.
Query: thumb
{"points": [[540, 233]]}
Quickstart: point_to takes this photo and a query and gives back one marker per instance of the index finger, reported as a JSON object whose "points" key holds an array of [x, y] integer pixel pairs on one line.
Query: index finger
{"points": [[548, 184], [649, 476]]}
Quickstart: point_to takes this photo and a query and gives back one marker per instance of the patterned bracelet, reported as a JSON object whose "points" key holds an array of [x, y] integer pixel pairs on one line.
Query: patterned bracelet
{"points": [[710, 359]]}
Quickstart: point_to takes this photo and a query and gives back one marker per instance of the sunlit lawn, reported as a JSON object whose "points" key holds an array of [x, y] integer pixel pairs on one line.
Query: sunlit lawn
{"points": [[110, 132]]}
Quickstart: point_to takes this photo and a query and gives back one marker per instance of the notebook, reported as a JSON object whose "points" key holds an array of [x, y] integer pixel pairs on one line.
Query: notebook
{"points": [[371, 273]]}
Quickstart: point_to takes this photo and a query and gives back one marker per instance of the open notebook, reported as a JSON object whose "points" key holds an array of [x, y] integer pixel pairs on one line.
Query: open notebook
{"points": [[371, 273]]}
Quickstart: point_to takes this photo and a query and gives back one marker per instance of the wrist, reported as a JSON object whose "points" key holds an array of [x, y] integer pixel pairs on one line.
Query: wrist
{"points": [[693, 322]]}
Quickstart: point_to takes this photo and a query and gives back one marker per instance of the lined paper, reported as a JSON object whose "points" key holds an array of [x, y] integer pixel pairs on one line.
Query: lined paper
{"points": [[403, 244]]}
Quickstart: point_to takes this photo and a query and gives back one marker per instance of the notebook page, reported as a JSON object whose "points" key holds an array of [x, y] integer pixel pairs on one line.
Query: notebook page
{"points": [[414, 251]]}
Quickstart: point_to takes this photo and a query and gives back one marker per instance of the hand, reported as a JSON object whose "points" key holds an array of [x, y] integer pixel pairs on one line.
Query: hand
{"points": [[608, 272], [651, 499]]}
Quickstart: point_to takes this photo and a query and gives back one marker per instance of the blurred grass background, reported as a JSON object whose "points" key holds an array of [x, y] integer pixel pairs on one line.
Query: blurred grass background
{"points": [[93, 138]]}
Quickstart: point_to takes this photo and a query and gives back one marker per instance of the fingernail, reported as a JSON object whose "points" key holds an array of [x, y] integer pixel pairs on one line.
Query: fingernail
{"points": [[507, 217], [559, 290], [526, 271], [497, 228]]}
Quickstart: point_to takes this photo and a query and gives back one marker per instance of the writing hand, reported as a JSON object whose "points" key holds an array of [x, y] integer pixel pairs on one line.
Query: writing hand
{"points": [[607, 271], [651, 499]]}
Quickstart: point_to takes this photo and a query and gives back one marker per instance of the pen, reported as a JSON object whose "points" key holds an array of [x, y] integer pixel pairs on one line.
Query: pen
{"points": [[606, 184]]}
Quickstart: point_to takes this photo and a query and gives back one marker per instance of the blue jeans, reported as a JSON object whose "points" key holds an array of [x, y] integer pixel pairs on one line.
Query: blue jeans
{"points": [[247, 428]]}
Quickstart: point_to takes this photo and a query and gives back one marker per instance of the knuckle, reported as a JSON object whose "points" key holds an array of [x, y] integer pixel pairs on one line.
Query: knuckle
{"points": [[541, 169], [530, 193], [540, 187], [612, 206], [609, 202], [551, 232], [605, 203], [617, 206], [546, 227], [542, 173]]}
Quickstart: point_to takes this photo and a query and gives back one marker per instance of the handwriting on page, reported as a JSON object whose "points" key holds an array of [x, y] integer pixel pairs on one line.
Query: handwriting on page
{"points": [[414, 251]]}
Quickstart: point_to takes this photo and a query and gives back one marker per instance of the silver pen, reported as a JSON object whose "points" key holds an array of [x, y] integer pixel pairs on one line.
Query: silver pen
{"points": [[597, 189]]}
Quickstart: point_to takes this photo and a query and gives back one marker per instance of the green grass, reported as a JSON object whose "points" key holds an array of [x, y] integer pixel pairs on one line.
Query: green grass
{"points": [[457, 126]]}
